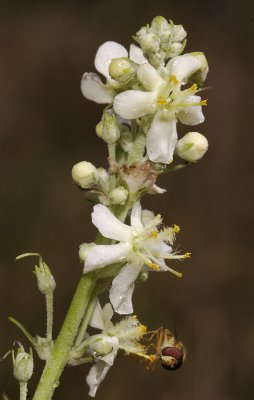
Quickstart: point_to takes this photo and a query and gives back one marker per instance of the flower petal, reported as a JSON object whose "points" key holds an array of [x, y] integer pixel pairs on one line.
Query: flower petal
{"points": [[136, 216], [183, 66], [149, 77], [102, 255], [93, 89], [97, 320], [134, 103], [122, 288], [162, 137], [105, 53], [191, 115], [95, 376], [137, 55], [108, 225]]}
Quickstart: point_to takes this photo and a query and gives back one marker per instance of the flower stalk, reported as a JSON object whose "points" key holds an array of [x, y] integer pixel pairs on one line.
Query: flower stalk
{"points": [[146, 92], [60, 353]]}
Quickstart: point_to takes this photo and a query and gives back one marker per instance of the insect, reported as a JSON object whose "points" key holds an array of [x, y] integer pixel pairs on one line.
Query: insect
{"points": [[169, 350]]}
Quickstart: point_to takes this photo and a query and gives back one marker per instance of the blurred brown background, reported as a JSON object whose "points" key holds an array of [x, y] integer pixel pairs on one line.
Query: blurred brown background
{"points": [[46, 126]]}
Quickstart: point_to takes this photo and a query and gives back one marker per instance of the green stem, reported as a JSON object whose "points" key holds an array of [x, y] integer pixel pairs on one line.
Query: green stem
{"points": [[22, 390], [112, 151], [86, 319], [49, 306], [60, 353]]}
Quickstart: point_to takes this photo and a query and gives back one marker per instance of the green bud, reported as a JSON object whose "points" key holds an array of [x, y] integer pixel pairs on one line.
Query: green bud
{"points": [[103, 179], [45, 280], [159, 25], [101, 344], [179, 33], [200, 75], [192, 146], [83, 250], [98, 129], [43, 347], [22, 364], [150, 43], [118, 195], [84, 174], [122, 69], [110, 130]]}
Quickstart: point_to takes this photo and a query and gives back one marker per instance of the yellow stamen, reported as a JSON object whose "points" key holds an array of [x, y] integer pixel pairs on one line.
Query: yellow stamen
{"points": [[143, 328], [194, 87], [154, 233], [203, 102], [154, 266], [176, 228], [173, 79], [162, 101]]}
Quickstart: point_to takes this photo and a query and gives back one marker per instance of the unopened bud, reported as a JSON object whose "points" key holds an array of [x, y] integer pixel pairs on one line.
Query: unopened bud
{"points": [[192, 146], [84, 249], [22, 364], [84, 174], [45, 280], [103, 179], [159, 25], [101, 344], [110, 130], [98, 129], [122, 69], [179, 33], [150, 43], [118, 195], [200, 75]]}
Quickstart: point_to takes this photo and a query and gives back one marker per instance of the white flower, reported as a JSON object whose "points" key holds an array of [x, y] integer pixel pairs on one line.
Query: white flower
{"points": [[124, 336], [164, 98], [91, 85], [141, 246]]}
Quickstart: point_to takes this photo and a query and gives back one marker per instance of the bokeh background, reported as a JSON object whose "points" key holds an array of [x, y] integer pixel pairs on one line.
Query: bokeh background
{"points": [[46, 126]]}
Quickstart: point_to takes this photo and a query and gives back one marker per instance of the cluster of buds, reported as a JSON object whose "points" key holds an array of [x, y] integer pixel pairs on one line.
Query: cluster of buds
{"points": [[161, 41]]}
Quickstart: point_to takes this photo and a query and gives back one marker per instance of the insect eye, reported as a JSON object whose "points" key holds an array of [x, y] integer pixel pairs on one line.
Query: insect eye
{"points": [[171, 358]]}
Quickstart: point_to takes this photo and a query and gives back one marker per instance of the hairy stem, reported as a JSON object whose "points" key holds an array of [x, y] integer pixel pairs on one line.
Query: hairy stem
{"points": [[22, 390], [49, 306], [86, 319], [60, 353]]}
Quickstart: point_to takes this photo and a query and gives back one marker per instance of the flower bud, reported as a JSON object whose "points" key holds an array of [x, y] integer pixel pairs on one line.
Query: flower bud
{"points": [[44, 347], [159, 25], [98, 129], [22, 364], [101, 344], [84, 249], [45, 280], [118, 195], [84, 174], [200, 75], [103, 179], [122, 69], [110, 130], [150, 43], [179, 33], [192, 146]]}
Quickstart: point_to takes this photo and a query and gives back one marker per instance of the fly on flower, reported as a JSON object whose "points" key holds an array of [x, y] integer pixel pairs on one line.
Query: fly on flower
{"points": [[169, 351]]}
